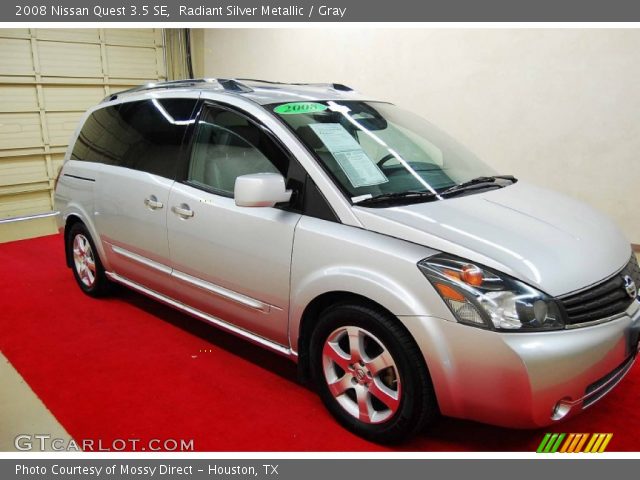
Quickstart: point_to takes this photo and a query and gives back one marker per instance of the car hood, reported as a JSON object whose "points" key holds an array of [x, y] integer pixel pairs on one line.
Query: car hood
{"points": [[542, 237]]}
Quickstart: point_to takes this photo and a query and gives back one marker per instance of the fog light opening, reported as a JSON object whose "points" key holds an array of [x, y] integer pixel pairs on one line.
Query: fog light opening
{"points": [[561, 409]]}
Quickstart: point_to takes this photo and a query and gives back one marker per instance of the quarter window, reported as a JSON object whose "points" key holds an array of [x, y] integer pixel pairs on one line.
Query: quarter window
{"points": [[145, 135]]}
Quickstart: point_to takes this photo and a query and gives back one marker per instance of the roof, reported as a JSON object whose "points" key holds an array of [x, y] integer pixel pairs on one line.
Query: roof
{"points": [[260, 91]]}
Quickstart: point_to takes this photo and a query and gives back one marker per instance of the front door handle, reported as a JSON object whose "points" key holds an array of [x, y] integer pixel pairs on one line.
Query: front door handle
{"points": [[183, 210], [152, 202]]}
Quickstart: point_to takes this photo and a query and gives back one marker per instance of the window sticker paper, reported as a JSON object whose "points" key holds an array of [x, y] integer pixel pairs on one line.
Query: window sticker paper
{"points": [[353, 160]]}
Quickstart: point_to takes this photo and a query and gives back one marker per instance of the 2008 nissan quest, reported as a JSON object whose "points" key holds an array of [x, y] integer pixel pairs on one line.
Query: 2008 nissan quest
{"points": [[403, 275]]}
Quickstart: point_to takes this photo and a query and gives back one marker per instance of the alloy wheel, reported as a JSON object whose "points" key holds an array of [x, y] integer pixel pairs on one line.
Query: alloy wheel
{"points": [[361, 374], [84, 260]]}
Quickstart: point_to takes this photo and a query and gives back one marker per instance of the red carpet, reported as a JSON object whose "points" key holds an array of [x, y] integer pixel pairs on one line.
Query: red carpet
{"points": [[128, 367]]}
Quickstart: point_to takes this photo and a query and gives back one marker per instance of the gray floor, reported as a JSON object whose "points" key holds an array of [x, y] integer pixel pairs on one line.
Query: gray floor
{"points": [[22, 412]]}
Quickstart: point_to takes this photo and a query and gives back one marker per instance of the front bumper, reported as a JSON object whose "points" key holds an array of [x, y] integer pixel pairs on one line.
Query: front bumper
{"points": [[525, 380]]}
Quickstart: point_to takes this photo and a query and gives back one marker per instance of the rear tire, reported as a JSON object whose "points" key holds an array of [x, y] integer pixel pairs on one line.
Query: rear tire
{"points": [[370, 373], [85, 262]]}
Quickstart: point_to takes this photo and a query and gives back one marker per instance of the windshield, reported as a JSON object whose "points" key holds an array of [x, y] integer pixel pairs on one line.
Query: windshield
{"points": [[374, 148]]}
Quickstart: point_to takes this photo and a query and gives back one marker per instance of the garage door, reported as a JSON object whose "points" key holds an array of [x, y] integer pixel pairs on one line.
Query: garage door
{"points": [[48, 78]]}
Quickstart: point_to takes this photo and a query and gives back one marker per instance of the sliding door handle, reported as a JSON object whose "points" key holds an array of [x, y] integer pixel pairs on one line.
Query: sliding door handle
{"points": [[153, 203]]}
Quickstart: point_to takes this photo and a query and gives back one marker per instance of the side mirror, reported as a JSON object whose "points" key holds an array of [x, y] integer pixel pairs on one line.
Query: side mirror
{"points": [[260, 190]]}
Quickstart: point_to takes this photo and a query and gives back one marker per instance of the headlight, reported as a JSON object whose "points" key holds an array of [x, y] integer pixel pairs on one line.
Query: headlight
{"points": [[488, 299]]}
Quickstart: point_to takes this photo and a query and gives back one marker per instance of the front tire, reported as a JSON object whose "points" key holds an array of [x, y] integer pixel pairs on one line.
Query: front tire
{"points": [[370, 373], [85, 262]]}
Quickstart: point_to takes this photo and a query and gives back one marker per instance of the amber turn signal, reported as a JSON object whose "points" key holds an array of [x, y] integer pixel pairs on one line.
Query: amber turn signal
{"points": [[472, 275], [449, 292]]}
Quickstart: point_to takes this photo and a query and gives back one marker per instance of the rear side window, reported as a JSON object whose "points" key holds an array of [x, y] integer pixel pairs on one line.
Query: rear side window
{"points": [[145, 135]]}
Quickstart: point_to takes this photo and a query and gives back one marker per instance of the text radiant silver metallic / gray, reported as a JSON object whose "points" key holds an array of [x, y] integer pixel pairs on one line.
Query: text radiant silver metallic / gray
{"points": [[403, 275]]}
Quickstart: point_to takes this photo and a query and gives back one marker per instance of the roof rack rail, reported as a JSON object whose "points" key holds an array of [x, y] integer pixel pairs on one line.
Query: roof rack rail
{"points": [[228, 84], [335, 86]]}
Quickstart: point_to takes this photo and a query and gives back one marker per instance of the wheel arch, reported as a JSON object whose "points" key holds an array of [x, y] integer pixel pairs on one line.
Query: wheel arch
{"points": [[319, 304], [70, 219]]}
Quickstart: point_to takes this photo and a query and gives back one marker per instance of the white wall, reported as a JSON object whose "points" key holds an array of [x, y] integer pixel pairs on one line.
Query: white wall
{"points": [[556, 107]]}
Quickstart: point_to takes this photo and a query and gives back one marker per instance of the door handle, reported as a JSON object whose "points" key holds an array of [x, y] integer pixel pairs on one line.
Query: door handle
{"points": [[152, 202], [183, 210]]}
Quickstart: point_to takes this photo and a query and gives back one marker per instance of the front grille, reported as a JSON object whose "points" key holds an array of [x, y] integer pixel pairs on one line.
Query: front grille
{"points": [[602, 300]]}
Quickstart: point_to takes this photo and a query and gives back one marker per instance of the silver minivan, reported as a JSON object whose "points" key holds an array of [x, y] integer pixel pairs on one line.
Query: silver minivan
{"points": [[404, 276]]}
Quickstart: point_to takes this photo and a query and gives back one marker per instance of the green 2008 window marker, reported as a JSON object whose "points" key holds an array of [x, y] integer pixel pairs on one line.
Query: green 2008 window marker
{"points": [[299, 107]]}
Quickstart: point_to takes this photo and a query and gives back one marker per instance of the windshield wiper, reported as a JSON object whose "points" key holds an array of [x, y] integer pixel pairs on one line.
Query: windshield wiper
{"points": [[422, 195], [477, 183], [409, 195]]}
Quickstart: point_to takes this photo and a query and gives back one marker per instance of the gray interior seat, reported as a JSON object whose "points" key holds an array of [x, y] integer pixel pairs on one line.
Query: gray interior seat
{"points": [[224, 163], [226, 149]]}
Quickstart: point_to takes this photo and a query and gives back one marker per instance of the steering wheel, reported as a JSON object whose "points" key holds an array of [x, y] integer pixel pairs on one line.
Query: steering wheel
{"points": [[385, 159], [415, 166]]}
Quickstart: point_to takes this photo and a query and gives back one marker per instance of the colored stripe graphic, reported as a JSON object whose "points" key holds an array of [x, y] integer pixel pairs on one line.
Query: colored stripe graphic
{"points": [[556, 445], [577, 438], [568, 442], [607, 439], [582, 441], [599, 442], [550, 443], [574, 443], [593, 439], [543, 443]]}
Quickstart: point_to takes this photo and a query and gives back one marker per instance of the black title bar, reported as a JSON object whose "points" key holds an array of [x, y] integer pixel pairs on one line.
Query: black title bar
{"points": [[29, 11]]}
